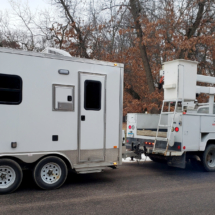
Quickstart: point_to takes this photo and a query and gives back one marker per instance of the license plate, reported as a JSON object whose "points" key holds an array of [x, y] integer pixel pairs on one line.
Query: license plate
{"points": [[130, 134]]}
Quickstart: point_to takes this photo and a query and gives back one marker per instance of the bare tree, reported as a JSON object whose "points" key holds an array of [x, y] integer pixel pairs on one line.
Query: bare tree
{"points": [[136, 13], [65, 5]]}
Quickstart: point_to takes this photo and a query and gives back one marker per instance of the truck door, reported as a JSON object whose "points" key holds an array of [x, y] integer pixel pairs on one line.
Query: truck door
{"points": [[92, 117]]}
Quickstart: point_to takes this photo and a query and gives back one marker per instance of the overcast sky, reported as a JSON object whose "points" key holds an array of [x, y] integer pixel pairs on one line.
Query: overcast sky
{"points": [[34, 4]]}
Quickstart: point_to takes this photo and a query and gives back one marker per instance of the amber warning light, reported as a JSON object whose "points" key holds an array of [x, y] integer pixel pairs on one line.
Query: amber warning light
{"points": [[149, 143]]}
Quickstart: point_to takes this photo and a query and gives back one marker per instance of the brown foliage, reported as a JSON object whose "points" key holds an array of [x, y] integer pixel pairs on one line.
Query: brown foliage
{"points": [[9, 44], [175, 31]]}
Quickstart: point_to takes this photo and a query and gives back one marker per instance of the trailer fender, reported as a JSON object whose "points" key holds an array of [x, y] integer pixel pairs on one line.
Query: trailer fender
{"points": [[34, 157]]}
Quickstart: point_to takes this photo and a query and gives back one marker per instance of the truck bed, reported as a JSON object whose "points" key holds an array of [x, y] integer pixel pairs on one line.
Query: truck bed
{"points": [[151, 133]]}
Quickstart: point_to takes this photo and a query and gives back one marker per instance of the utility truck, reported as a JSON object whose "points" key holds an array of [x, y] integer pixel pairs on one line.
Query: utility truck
{"points": [[184, 129], [58, 113]]}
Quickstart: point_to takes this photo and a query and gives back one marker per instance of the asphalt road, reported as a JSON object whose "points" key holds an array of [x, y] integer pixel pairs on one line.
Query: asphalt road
{"points": [[147, 188]]}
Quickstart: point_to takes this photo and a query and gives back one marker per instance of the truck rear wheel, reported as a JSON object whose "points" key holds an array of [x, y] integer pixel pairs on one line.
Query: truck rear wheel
{"points": [[50, 173], [208, 158], [10, 176]]}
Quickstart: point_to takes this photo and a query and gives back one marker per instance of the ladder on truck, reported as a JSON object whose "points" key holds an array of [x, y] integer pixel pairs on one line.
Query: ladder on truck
{"points": [[170, 134]]}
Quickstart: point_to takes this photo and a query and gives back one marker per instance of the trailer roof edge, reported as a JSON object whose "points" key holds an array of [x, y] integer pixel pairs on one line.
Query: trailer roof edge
{"points": [[59, 57]]}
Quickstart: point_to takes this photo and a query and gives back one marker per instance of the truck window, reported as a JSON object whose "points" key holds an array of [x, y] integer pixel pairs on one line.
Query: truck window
{"points": [[205, 110], [92, 95], [10, 89]]}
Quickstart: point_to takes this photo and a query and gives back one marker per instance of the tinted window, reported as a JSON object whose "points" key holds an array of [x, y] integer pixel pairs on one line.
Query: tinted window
{"points": [[10, 89], [92, 95], [203, 110]]}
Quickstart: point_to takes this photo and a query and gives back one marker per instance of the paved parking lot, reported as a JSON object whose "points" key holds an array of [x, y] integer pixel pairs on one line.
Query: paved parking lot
{"points": [[147, 188]]}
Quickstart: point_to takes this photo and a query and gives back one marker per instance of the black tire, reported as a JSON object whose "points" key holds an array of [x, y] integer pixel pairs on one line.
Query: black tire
{"points": [[10, 176], [57, 175], [208, 158], [157, 159]]}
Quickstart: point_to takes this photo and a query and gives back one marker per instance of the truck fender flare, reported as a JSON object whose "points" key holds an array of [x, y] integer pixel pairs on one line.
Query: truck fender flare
{"points": [[206, 139]]}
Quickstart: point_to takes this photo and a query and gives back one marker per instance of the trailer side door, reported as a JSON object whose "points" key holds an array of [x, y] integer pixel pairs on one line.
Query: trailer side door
{"points": [[92, 108]]}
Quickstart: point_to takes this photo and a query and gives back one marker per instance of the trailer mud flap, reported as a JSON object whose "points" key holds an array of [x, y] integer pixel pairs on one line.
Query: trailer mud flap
{"points": [[177, 161]]}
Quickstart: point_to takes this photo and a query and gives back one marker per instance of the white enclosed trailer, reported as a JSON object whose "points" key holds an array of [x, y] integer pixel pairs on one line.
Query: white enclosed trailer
{"points": [[57, 113], [190, 128]]}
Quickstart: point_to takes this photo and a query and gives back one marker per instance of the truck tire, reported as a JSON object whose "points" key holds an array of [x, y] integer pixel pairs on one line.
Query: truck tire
{"points": [[208, 158], [50, 173], [10, 176]]}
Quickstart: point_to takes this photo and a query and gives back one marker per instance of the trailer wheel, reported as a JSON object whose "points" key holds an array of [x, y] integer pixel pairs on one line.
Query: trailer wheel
{"points": [[50, 173], [10, 176], [208, 158]]}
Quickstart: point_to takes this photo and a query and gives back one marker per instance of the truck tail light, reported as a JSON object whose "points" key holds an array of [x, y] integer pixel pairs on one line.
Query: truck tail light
{"points": [[149, 143], [129, 126], [176, 129]]}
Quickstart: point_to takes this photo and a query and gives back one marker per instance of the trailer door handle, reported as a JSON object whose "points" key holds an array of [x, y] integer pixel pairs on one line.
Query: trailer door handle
{"points": [[82, 118], [69, 98]]}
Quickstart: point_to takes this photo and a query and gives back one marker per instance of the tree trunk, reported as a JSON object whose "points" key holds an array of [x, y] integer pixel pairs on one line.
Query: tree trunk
{"points": [[192, 30], [135, 11]]}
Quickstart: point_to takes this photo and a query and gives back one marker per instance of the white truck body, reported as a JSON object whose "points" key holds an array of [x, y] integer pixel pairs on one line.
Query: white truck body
{"points": [[140, 121], [60, 113], [190, 130], [180, 80]]}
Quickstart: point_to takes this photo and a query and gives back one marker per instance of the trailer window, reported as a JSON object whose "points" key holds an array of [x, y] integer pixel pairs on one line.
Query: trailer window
{"points": [[92, 95], [10, 89]]}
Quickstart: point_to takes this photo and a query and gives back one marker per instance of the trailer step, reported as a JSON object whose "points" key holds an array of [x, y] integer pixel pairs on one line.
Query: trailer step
{"points": [[90, 167], [89, 171], [86, 170]]}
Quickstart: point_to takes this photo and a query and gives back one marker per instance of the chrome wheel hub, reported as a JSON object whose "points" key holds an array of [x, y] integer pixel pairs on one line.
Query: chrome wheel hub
{"points": [[50, 173], [7, 176]]}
